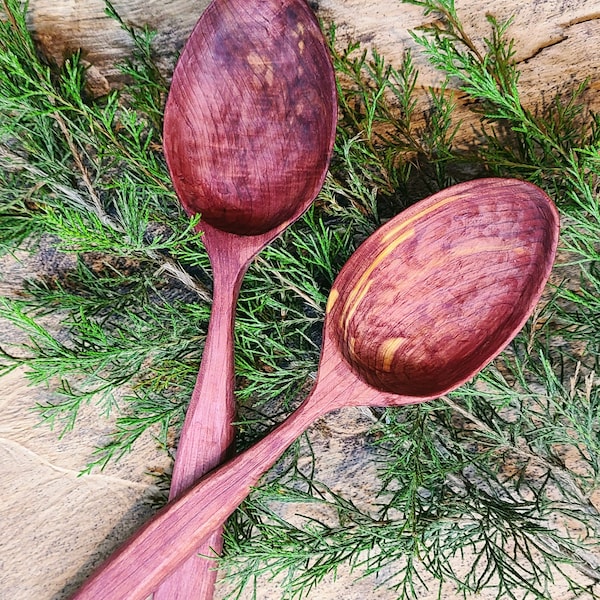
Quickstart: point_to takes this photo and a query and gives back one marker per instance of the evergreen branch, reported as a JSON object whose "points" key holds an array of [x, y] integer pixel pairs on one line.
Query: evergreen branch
{"points": [[164, 263], [559, 472]]}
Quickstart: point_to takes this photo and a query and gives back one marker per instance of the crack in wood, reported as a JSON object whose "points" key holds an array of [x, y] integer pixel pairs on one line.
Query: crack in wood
{"points": [[583, 19], [540, 49], [561, 38]]}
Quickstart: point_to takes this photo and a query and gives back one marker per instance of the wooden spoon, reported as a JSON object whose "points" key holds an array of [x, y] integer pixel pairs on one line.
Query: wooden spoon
{"points": [[249, 129], [422, 306]]}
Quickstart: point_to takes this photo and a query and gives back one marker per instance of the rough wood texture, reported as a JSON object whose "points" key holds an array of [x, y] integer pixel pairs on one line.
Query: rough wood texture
{"points": [[56, 525], [556, 41], [424, 304], [249, 130], [67, 25]]}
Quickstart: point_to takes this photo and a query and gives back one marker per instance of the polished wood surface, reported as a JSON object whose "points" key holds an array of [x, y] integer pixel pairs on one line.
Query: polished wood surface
{"points": [[250, 115]]}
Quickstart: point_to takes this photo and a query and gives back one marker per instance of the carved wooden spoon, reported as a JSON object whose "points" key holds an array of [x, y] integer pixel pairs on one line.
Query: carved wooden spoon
{"points": [[249, 129], [423, 305]]}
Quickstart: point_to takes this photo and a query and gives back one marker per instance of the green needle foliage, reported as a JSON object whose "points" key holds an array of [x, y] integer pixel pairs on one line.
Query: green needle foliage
{"points": [[500, 475]]}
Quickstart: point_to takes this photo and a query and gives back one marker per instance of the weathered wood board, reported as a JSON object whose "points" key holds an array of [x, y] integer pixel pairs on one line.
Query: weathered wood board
{"points": [[556, 41]]}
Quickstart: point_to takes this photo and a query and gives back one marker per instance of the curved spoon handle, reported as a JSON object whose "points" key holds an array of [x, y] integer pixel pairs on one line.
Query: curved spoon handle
{"points": [[177, 530], [181, 527], [207, 437]]}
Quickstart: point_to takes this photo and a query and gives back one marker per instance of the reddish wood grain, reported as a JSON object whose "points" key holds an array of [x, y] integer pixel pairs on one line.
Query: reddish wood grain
{"points": [[431, 296], [249, 129], [480, 251], [251, 114]]}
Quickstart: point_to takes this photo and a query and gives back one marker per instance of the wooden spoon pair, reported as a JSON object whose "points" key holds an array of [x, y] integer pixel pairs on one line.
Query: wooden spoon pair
{"points": [[424, 304]]}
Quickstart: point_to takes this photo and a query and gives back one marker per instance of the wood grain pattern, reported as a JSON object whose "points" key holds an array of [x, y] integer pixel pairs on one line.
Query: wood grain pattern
{"points": [[470, 267], [480, 251], [249, 128], [250, 115]]}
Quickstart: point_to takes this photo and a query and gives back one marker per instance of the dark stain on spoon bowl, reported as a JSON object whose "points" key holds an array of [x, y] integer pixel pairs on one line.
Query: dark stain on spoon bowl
{"points": [[261, 120]]}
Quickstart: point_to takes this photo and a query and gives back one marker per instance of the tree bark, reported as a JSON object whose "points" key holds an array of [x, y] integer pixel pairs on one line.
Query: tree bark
{"points": [[556, 41], [556, 44]]}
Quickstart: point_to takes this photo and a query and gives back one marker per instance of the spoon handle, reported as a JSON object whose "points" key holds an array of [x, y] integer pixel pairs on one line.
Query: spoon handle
{"points": [[207, 432], [208, 435], [176, 531]]}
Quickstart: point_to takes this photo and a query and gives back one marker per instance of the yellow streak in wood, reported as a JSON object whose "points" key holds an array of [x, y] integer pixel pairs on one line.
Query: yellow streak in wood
{"points": [[352, 303], [405, 224], [263, 68], [481, 246], [362, 285], [352, 346], [299, 34], [442, 262], [333, 296], [387, 351]]}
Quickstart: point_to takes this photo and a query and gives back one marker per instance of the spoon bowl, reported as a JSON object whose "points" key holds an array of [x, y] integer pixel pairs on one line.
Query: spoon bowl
{"points": [[436, 293], [251, 115], [423, 305]]}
